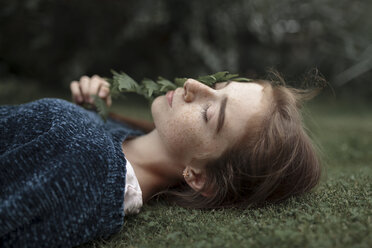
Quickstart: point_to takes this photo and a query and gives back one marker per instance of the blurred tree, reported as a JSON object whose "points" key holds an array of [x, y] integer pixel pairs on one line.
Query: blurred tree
{"points": [[55, 42]]}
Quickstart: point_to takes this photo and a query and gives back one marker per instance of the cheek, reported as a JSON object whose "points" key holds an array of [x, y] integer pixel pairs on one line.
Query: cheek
{"points": [[179, 131], [182, 131]]}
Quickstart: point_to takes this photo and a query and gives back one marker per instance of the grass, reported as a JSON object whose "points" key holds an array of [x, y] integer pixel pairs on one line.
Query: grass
{"points": [[337, 214]]}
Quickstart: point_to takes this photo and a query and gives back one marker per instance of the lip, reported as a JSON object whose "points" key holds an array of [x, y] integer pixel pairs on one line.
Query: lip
{"points": [[169, 96]]}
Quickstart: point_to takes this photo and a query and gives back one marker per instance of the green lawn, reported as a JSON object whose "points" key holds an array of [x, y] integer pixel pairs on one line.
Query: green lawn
{"points": [[337, 214]]}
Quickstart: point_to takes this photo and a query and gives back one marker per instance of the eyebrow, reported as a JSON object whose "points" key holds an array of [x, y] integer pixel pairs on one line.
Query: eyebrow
{"points": [[221, 115]]}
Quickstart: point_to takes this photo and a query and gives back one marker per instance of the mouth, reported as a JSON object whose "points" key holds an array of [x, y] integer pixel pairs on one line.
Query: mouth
{"points": [[169, 96]]}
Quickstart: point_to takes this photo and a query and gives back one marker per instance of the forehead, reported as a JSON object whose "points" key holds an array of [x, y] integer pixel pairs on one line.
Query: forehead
{"points": [[246, 92], [248, 96], [245, 100]]}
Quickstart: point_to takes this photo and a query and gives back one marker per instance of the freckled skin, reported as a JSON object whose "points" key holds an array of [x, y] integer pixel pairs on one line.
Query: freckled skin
{"points": [[179, 132], [182, 128]]}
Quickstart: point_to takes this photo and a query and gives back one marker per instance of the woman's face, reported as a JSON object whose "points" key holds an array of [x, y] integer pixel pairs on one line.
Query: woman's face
{"points": [[202, 122]]}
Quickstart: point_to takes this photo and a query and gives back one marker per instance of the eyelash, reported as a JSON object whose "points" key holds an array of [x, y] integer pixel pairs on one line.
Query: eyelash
{"points": [[204, 113]]}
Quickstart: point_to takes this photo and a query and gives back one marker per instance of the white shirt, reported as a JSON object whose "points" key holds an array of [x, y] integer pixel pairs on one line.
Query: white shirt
{"points": [[133, 193]]}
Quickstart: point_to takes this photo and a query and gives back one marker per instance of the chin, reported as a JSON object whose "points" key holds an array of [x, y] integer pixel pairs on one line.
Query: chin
{"points": [[156, 108]]}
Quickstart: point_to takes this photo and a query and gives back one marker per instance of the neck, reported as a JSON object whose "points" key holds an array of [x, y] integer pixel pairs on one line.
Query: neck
{"points": [[154, 167]]}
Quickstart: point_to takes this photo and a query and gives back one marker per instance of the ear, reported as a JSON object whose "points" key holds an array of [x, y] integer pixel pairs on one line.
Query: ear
{"points": [[196, 179]]}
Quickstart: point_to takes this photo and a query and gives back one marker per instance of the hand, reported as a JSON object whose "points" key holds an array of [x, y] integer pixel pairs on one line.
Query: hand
{"points": [[81, 91]]}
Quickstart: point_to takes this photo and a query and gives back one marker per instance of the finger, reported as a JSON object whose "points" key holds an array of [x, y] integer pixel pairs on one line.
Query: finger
{"points": [[101, 79], [105, 83], [84, 85], [94, 86], [76, 92], [104, 92], [108, 101]]}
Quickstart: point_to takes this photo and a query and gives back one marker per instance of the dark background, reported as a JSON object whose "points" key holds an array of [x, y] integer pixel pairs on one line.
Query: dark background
{"points": [[49, 43]]}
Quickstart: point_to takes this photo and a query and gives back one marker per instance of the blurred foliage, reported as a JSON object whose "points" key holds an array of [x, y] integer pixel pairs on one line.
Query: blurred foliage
{"points": [[54, 42]]}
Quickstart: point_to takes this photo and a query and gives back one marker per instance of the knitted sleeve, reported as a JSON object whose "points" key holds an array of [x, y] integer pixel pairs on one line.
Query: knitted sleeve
{"points": [[62, 175]]}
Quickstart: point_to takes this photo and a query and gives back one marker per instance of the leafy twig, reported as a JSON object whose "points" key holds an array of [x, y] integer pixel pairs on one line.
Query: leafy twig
{"points": [[121, 83]]}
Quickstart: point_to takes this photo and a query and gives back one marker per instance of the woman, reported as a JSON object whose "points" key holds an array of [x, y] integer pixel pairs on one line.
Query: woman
{"points": [[237, 144]]}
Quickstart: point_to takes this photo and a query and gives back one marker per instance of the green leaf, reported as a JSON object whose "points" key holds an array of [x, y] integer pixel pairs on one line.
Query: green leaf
{"points": [[180, 81], [114, 87], [208, 80], [150, 87], [166, 84], [122, 83], [220, 75], [230, 77], [241, 79], [101, 106], [125, 83]]}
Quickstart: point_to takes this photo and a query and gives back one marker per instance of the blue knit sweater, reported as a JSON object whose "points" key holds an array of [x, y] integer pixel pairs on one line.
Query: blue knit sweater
{"points": [[62, 174]]}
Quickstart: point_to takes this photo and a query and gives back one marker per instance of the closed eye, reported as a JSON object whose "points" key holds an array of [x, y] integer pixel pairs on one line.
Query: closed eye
{"points": [[205, 109], [204, 113]]}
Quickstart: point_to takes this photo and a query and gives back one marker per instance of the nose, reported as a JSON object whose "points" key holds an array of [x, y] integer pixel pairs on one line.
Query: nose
{"points": [[194, 88]]}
